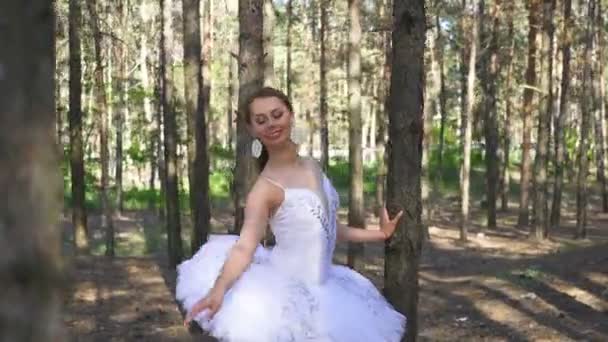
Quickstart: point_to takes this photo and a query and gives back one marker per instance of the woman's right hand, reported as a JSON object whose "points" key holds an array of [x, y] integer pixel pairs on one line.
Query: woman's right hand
{"points": [[212, 303]]}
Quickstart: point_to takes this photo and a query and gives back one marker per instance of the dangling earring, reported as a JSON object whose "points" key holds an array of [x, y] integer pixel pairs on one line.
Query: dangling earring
{"points": [[256, 148], [295, 134]]}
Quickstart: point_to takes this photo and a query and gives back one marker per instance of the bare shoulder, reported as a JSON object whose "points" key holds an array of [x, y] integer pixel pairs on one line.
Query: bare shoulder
{"points": [[264, 193]]}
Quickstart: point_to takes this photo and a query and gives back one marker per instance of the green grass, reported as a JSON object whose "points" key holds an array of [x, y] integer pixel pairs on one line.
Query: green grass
{"points": [[447, 181]]}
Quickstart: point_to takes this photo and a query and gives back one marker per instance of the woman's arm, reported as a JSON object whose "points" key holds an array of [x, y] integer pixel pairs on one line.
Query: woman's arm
{"points": [[387, 228], [346, 233], [257, 211]]}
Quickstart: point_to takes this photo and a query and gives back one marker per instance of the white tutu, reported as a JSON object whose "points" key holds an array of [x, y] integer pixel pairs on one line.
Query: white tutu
{"points": [[267, 305]]}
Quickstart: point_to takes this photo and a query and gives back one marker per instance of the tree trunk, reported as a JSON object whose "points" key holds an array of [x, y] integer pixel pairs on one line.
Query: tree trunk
{"points": [[534, 10], [122, 111], [402, 252], [382, 117], [431, 107], [491, 114], [464, 62], [540, 226], [100, 111], [79, 213], [356, 208], [195, 110], [442, 95], [289, 6], [269, 18], [30, 239], [207, 80], [586, 112], [467, 124], [600, 115], [560, 136], [506, 162], [159, 158], [230, 105], [324, 130], [173, 223], [251, 78]]}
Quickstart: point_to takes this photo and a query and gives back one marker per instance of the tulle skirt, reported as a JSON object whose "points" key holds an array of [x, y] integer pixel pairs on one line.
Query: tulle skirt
{"points": [[266, 305]]}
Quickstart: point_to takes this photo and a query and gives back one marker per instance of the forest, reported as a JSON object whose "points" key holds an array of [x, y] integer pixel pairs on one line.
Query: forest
{"points": [[124, 146]]}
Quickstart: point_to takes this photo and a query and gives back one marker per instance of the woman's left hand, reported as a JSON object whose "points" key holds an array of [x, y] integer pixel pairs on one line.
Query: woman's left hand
{"points": [[387, 226]]}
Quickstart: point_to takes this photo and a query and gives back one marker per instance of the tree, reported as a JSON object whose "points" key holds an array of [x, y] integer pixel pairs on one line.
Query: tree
{"points": [[560, 136], [356, 209], [490, 61], [598, 107], [585, 102], [100, 112], [467, 125], [324, 131], [251, 78], [30, 239], [404, 162], [534, 10], [383, 89], [268, 27], [79, 214], [195, 110], [121, 114], [173, 223], [540, 227], [508, 93], [289, 10]]}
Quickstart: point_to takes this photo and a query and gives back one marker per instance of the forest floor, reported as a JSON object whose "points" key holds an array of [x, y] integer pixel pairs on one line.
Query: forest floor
{"points": [[498, 286]]}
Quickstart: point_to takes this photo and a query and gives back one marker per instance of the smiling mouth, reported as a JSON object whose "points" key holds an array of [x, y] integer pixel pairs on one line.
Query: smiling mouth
{"points": [[275, 134]]}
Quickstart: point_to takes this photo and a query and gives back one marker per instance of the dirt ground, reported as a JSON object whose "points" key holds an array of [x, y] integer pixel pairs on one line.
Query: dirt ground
{"points": [[499, 286]]}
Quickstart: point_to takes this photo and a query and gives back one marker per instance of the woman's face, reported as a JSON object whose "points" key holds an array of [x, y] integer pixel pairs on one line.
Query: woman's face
{"points": [[270, 121]]}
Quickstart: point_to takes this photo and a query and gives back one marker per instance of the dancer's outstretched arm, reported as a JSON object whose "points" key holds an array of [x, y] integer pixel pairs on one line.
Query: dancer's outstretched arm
{"points": [[257, 210], [387, 228]]}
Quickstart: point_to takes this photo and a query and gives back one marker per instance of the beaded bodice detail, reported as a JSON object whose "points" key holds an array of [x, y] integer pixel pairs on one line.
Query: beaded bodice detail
{"points": [[305, 229]]}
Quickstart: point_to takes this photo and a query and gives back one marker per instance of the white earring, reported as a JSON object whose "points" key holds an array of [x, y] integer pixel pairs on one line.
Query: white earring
{"points": [[256, 148], [296, 135]]}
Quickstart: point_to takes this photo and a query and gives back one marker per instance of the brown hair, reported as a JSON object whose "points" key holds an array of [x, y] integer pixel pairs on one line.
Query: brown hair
{"points": [[265, 92]]}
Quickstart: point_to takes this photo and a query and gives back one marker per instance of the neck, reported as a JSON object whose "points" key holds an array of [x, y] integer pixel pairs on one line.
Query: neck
{"points": [[286, 155]]}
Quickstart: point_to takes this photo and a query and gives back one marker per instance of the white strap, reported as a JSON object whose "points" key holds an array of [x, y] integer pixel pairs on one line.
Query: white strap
{"points": [[274, 182]]}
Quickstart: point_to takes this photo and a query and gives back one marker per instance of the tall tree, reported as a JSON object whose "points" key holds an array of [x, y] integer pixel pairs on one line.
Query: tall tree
{"points": [[324, 130], [467, 123], [383, 89], [121, 114], [356, 209], [442, 88], [540, 227], [206, 72], [289, 14], [173, 223], [534, 11], [251, 78], [598, 106], [79, 214], [100, 111], [491, 113], [560, 136], [586, 107], [195, 110], [508, 93], [405, 155], [31, 272], [268, 28]]}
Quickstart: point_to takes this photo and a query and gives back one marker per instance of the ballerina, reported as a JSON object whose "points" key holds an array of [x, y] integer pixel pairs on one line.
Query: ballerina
{"points": [[239, 291]]}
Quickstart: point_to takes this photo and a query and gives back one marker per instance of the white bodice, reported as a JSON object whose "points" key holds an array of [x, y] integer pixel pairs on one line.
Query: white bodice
{"points": [[305, 229]]}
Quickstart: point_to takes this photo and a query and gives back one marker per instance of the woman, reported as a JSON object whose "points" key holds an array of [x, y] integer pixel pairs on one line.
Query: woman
{"points": [[241, 292]]}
